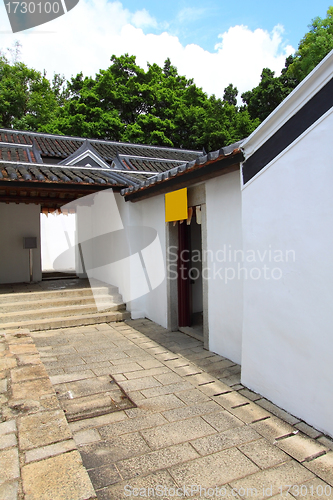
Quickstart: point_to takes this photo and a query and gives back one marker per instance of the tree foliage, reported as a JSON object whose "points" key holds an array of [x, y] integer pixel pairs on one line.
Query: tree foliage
{"points": [[313, 47], [27, 100], [230, 94], [270, 92], [153, 106]]}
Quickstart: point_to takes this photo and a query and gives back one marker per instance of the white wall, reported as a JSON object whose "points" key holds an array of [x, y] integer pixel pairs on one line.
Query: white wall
{"points": [[155, 303], [58, 242], [16, 222], [287, 335], [138, 273], [224, 233]]}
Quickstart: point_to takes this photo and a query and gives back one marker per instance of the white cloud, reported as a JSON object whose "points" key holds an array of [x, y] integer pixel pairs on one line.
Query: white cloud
{"points": [[142, 19], [86, 37]]}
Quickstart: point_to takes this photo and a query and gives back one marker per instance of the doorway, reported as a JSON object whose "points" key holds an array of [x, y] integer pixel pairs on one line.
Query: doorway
{"points": [[58, 245], [188, 298], [190, 282]]}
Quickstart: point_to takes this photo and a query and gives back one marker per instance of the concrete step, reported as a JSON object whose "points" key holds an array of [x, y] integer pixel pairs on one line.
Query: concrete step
{"points": [[41, 303], [56, 294], [68, 321], [53, 312]]}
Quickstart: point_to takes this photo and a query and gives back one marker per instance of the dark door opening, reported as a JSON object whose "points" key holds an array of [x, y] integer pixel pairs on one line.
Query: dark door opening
{"points": [[190, 286]]}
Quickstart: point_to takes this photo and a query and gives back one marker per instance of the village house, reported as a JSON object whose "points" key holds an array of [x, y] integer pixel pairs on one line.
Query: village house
{"points": [[233, 247]]}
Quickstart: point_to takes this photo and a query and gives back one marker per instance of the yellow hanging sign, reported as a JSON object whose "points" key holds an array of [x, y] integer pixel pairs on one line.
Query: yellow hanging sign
{"points": [[176, 205]]}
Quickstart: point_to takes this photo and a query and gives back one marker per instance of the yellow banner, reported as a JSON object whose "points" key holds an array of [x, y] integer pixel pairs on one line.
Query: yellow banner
{"points": [[176, 205]]}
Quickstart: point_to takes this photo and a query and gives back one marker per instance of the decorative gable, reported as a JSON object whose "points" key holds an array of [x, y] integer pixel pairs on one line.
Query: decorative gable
{"points": [[85, 156]]}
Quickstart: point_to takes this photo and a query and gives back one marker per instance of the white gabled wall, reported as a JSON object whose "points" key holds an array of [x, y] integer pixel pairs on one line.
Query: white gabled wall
{"points": [[225, 290], [16, 222], [287, 334]]}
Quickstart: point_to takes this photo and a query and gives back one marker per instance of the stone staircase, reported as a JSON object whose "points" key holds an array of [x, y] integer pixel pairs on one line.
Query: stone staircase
{"points": [[62, 307]]}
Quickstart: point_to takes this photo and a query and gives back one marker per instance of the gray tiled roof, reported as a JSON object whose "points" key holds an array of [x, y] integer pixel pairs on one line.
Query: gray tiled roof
{"points": [[32, 172], [60, 147], [184, 168], [35, 157]]}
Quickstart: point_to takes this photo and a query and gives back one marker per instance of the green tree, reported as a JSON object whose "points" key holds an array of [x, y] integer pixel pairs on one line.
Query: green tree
{"points": [[26, 98], [270, 92], [230, 94], [313, 47], [156, 106]]}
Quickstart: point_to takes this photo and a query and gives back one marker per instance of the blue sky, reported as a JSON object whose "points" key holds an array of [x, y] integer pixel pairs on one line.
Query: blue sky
{"points": [[206, 19], [214, 42]]}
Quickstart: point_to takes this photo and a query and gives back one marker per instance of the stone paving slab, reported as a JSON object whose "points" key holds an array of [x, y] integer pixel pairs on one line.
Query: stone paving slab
{"points": [[222, 420], [155, 460], [308, 430], [190, 411], [38, 457], [192, 396], [42, 428], [194, 422], [224, 440], [274, 480], [178, 387], [132, 425], [301, 447], [264, 454], [177, 432], [9, 491], [250, 413], [9, 465], [313, 489], [150, 482], [322, 467], [214, 389], [58, 478], [110, 451], [49, 451], [25, 373], [273, 428], [215, 469], [99, 421], [162, 403]]}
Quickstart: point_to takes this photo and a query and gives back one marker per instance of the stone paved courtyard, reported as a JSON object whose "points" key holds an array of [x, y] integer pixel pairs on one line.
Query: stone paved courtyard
{"points": [[195, 430], [194, 423]]}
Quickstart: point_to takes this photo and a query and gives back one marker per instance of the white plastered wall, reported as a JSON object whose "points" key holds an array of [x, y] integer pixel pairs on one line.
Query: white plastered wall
{"points": [[16, 222], [139, 275], [225, 291], [287, 333]]}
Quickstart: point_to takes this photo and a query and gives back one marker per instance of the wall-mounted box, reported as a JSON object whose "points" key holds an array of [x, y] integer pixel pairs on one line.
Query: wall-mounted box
{"points": [[30, 242]]}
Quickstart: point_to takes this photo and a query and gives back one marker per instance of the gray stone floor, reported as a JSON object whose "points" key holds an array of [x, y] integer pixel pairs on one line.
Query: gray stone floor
{"points": [[195, 426], [39, 459], [45, 286]]}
